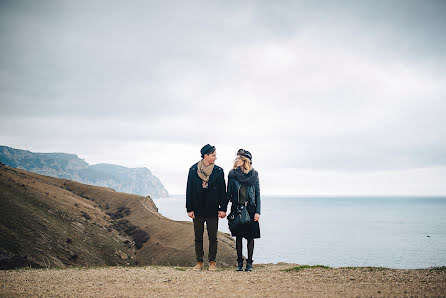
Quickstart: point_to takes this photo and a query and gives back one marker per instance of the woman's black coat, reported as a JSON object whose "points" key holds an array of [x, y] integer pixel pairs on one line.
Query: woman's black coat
{"points": [[208, 201], [252, 191]]}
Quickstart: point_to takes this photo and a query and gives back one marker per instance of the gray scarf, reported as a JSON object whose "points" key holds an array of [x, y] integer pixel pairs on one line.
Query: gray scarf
{"points": [[249, 179]]}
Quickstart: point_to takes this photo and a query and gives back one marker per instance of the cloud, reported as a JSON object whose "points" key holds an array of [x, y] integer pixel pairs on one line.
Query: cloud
{"points": [[346, 86]]}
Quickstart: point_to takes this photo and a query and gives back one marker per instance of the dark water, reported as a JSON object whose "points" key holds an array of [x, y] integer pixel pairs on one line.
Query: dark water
{"points": [[395, 232]]}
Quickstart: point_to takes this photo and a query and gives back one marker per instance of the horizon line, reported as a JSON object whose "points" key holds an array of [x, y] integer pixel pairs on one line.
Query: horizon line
{"points": [[344, 195]]}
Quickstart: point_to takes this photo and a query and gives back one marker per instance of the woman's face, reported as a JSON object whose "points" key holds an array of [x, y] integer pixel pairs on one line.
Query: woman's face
{"points": [[239, 161]]}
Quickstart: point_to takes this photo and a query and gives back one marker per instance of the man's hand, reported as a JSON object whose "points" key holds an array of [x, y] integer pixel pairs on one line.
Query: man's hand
{"points": [[256, 217], [221, 214], [191, 214]]}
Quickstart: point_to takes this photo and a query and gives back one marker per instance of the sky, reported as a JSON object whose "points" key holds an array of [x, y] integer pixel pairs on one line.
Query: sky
{"points": [[330, 97]]}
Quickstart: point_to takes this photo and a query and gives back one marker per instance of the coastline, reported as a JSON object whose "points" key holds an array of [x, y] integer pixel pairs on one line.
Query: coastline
{"points": [[281, 279]]}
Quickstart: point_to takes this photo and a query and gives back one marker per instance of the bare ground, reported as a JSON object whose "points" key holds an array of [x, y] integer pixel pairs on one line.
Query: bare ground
{"points": [[266, 280]]}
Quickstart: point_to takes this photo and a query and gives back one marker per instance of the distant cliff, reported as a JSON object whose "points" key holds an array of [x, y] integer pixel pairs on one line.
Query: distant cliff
{"points": [[139, 181]]}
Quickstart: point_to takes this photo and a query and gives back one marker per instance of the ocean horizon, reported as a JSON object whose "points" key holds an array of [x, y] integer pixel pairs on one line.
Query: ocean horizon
{"points": [[404, 232]]}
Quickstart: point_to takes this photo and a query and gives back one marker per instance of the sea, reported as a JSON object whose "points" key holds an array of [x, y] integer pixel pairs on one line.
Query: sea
{"points": [[339, 231]]}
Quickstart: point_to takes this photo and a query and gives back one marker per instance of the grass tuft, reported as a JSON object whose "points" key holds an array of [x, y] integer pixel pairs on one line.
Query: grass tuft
{"points": [[180, 268], [298, 268], [439, 269], [368, 268]]}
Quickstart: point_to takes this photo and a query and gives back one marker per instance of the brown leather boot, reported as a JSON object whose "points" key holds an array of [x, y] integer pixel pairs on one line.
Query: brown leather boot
{"points": [[198, 266], [212, 266]]}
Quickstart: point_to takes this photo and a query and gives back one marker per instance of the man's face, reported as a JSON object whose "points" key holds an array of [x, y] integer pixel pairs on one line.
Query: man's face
{"points": [[211, 158]]}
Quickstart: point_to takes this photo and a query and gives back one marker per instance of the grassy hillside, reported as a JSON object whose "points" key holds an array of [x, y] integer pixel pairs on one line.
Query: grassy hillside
{"points": [[51, 222]]}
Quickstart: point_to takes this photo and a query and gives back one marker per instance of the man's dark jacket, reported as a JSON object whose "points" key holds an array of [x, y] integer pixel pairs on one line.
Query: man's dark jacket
{"points": [[206, 201]]}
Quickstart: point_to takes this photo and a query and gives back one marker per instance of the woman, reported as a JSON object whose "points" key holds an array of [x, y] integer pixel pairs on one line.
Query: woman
{"points": [[244, 189]]}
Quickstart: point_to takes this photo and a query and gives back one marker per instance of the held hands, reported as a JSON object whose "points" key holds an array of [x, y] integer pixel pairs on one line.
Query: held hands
{"points": [[221, 214], [256, 217]]}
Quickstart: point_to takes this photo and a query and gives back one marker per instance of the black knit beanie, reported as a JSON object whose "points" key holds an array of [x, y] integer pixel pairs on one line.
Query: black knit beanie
{"points": [[207, 149]]}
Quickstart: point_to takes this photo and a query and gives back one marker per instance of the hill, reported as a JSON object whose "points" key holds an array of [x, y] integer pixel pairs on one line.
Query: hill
{"points": [[138, 181], [52, 222]]}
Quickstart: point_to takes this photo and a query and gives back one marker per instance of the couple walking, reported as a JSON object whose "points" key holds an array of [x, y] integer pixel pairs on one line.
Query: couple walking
{"points": [[207, 200]]}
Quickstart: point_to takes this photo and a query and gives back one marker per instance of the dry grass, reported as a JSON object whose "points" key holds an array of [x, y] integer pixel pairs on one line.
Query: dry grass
{"points": [[267, 280]]}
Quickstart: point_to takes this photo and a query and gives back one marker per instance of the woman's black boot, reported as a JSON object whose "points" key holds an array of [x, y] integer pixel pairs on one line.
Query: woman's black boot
{"points": [[240, 266], [248, 266]]}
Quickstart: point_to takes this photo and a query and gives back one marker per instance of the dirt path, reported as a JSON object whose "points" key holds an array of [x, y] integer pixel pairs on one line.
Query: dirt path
{"points": [[265, 280]]}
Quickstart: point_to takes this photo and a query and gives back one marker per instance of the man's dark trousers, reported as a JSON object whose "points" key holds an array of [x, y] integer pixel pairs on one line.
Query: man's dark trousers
{"points": [[212, 227]]}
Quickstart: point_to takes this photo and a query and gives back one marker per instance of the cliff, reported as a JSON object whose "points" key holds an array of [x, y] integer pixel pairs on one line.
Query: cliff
{"points": [[138, 181]]}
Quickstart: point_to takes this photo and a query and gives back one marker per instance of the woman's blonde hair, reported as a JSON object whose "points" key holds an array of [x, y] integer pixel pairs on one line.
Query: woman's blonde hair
{"points": [[247, 166]]}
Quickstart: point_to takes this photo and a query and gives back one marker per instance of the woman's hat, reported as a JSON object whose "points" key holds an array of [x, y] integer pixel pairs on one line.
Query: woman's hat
{"points": [[245, 153]]}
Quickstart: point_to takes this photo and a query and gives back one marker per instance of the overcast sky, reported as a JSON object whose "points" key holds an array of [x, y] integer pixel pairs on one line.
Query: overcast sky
{"points": [[331, 97]]}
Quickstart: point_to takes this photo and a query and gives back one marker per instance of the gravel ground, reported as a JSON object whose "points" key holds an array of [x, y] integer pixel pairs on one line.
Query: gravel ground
{"points": [[265, 280]]}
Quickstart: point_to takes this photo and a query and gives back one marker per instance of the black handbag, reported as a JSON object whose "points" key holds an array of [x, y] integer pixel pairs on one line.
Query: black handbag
{"points": [[238, 217]]}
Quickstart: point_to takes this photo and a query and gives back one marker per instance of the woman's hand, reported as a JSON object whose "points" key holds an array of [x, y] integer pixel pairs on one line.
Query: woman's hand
{"points": [[256, 217], [191, 214]]}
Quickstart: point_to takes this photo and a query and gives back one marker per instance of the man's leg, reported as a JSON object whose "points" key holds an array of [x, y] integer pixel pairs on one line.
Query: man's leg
{"points": [[212, 227], [199, 230]]}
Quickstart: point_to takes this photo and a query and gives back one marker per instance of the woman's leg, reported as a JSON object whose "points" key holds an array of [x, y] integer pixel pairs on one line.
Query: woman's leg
{"points": [[250, 250], [238, 246]]}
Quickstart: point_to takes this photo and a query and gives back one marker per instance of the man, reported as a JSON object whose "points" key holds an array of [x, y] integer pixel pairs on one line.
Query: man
{"points": [[205, 197]]}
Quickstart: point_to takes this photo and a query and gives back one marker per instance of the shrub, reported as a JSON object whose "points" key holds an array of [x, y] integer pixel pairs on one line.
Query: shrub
{"points": [[139, 236], [85, 215], [119, 213]]}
